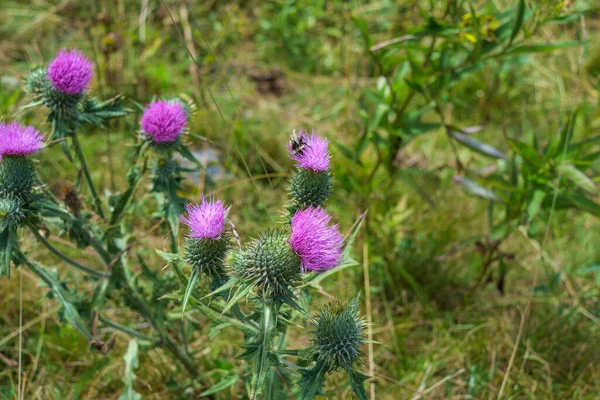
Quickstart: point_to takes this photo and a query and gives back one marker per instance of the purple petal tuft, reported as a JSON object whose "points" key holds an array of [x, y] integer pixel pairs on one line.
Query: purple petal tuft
{"points": [[70, 72], [16, 139], [163, 121], [318, 244], [314, 155], [205, 220]]}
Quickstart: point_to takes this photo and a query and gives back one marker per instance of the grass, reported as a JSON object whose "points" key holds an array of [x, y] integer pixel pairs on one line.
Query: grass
{"points": [[435, 336]]}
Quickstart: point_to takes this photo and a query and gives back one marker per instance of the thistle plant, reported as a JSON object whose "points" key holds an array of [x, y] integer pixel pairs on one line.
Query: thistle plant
{"points": [[261, 287]]}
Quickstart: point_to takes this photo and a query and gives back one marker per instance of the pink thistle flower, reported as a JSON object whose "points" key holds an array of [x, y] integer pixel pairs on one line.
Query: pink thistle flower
{"points": [[16, 139], [318, 244], [312, 152], [70, 72], [164, 121], [205, 220]]}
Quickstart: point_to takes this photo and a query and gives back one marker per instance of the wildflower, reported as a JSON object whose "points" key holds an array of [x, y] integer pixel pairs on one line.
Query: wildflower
{"points": [[17, 174], [311, 183], [318, 244], [164, 121], [309, 152], [70, 72], [19, 140], [205, 220], [207, 242]]}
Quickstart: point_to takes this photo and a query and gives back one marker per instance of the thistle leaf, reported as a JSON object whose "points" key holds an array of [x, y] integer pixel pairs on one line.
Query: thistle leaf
{"points": [[311, 383], [131, 363], [190, 286]]}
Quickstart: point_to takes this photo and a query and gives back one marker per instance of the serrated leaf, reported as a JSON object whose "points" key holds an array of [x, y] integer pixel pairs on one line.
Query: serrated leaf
{"points": [[168, 257], [131, 363], [577, 177], [356, 381], [480, 147], [193, 279], [311, 383]]}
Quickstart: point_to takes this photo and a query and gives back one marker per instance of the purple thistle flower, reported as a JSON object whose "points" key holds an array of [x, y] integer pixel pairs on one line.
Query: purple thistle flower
{"points": [[313, 153], [205, 220], [16, 139], [318, 244], [70, 72], [163, 121]]}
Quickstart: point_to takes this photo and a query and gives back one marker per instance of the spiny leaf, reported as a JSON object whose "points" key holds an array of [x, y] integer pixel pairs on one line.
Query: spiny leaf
{"points": [[311, 383], [131, 363], [193, 279], [356, 381]]}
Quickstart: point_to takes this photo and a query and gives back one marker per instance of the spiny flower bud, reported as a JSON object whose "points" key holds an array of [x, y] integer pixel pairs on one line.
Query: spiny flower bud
{"points": [[164, 121], [318, 244], [207, 242], [270, 265], [17, 177], [11, 212], [70, 72], [339, 335], [309, 188]]}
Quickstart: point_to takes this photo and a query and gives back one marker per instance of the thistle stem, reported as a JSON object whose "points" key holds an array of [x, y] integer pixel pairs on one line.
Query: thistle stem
{"points": [[128, 330], [40, 238], [88, 176]]}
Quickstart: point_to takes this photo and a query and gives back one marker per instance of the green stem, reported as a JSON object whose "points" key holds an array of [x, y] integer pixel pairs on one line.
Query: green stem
{"points": [[40, 238], [88, 176], [128, 330]]}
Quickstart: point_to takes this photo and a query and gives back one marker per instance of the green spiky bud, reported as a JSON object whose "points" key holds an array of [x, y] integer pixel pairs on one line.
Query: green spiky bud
{"points": [[17, 177], [339, 335], [270, 264], [208, 255], [11, 212], [310, 188]]}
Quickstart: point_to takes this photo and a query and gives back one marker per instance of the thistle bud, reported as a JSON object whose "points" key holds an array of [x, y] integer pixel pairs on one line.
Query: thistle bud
{"points": [[270, 264], [339, 335], [207, 242], [11, 212], [311, 184]]}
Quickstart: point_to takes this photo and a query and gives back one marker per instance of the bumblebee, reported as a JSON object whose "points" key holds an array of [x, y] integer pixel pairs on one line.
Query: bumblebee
{"points": [[297, 143]]}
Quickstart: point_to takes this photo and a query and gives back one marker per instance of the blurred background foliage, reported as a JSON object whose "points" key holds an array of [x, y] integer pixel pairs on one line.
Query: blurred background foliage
{"points": [[468, 130]]}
